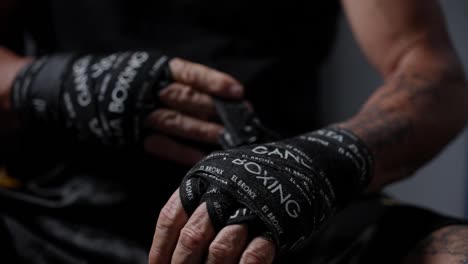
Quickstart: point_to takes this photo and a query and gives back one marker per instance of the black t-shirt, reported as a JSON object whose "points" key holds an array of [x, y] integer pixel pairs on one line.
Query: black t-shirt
{"points": [[274, 47]]}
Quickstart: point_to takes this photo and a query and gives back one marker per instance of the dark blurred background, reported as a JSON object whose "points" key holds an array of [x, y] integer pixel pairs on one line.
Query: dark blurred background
{"points": [[442, 184]]}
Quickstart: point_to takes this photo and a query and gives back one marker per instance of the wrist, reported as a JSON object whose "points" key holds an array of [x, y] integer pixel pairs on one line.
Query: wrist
{"points": [[375, 185], [95, 99], [340, 155]]}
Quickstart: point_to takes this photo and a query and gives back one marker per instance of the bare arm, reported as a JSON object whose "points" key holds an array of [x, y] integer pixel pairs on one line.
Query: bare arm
{"points": [[422, 104], [10, 65]]}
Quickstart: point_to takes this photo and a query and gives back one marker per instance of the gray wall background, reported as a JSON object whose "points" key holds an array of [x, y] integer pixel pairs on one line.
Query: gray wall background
{"points": [[348, 80]]}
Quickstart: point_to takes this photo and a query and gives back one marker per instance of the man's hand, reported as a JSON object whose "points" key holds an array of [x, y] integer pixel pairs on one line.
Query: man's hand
{"points": [[123, 100], [283, 190], [180, 239], [188, 111]]}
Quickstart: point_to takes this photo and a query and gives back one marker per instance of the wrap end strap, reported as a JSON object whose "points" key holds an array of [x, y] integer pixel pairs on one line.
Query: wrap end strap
{"points": [[242, 126]]}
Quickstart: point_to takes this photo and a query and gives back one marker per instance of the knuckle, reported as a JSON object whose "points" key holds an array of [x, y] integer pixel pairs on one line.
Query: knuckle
{"points": [[188, 72], [221, 81], [254, 257], [202, 132], [192, 96], [155, 254], [219, 250], [168, 119], [175, 93], [185, 95], [157, 117], [207, 132], [167, 218], [190, 238], [169, 92]]}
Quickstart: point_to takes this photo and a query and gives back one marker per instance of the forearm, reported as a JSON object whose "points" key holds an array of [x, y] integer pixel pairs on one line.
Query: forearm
{"points": [[10, 65], [418, 110]]}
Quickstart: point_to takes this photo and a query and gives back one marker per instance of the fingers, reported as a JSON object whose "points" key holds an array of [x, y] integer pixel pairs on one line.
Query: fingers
{"points": [[259, 251], [177, 124], [184, 98], [228, 245], [205, 79], [194, 238], [178, 240], [171, 220], [164, 147]]}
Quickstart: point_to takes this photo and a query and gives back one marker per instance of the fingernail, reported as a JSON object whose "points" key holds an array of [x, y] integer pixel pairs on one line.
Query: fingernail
{"points": [[236, 90]]}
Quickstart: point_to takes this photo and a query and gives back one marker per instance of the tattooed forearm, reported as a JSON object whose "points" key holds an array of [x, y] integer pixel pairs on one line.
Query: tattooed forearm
{"points": [[409, 119], [448, 245], [385, 120]]}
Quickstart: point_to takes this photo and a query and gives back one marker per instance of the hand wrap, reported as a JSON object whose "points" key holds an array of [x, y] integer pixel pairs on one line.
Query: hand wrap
{"points": [[289, 186], [99, 99]]}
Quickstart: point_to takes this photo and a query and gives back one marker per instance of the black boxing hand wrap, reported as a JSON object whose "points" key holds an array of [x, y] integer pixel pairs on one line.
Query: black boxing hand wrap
{"points": [[98, 99], [290, 186], [242, 126]]}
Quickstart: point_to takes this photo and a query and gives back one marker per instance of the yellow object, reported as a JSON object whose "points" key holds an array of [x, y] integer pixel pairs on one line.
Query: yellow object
{"points": [[7, 181], [389, 202]]}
